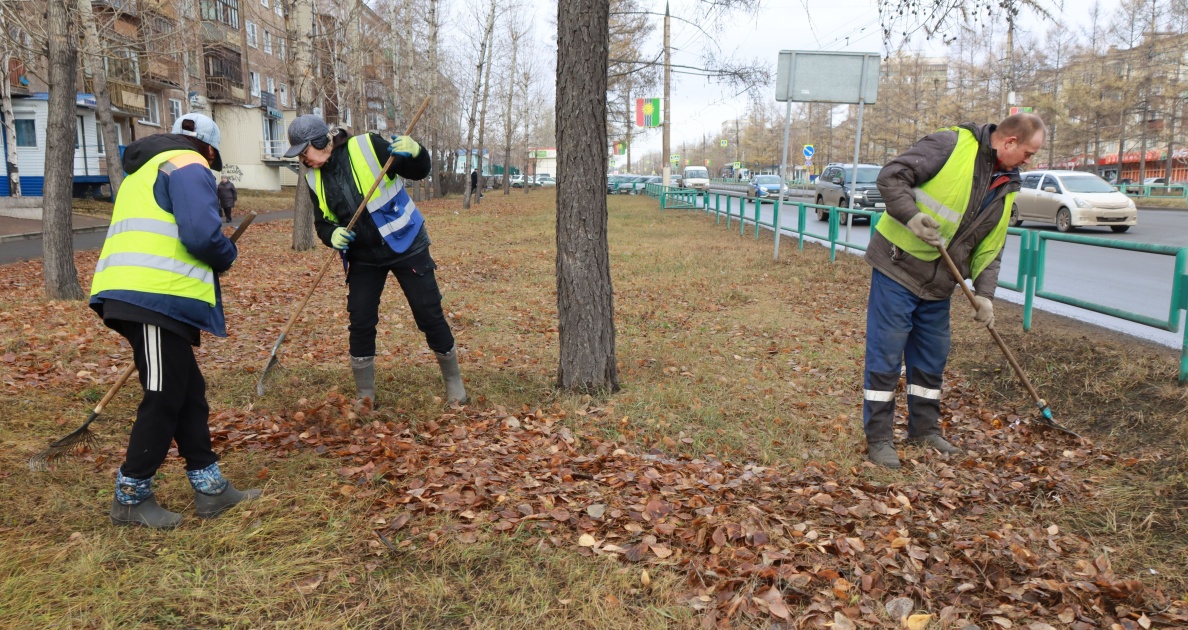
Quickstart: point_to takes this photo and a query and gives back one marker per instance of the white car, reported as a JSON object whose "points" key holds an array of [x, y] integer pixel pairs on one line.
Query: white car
{"points": [[695, 177], [1072, 199]]}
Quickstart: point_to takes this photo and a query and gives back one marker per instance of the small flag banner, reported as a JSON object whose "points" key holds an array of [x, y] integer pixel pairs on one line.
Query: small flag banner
{"points": [[620, 148], [647, 112]]}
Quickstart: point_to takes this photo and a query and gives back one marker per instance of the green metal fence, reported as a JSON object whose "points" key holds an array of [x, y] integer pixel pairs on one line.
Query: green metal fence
{"points": [[1029, 278]]}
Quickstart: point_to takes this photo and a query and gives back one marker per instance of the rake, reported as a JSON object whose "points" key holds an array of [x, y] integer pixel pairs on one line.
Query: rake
{"points": [[273, 358], [84, 435], [1045, 411]]}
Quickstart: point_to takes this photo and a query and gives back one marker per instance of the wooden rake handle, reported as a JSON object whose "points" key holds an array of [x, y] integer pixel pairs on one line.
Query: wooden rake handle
{"points": [[354, 219]]}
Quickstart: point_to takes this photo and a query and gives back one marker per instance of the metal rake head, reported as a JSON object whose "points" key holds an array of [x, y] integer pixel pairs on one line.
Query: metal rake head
{"points": [[82, 437]]}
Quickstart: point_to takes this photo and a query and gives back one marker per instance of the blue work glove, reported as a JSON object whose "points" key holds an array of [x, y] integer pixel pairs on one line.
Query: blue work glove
{"points": [[404, 145], [341, 239]]}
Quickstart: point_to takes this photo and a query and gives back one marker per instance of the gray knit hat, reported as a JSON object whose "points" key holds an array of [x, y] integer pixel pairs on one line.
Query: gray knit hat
{"points": [[303, 130]]}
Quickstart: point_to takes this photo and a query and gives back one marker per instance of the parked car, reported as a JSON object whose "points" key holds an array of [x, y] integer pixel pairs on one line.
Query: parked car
{"points": [[832, 188], [518, 181], [544, 181], [612, 182], [765, 188], [1072, 199], [629, 184]]}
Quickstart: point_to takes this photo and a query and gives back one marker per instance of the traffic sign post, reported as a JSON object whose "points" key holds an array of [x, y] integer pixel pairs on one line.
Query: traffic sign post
{"points": [[675, 159], [725, 143], [809, 150]]}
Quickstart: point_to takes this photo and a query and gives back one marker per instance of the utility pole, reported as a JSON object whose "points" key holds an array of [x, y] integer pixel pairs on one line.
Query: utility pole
{"points": [[666, 170]]}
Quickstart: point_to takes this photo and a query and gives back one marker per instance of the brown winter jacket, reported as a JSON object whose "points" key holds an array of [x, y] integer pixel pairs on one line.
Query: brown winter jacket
{"points": [[930, 280]]}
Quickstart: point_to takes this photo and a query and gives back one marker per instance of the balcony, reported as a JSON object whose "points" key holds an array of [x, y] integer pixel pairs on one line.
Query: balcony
{"points": [[127, 7], [271, 150], [162, 70], [224, 89], [126, 97], [18, 80]]}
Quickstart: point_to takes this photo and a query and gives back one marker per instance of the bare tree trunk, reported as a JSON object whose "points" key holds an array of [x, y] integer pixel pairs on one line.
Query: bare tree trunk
{"points": [[474, 95], [10, 155], [436, 189], [483, 115], [585, 297], [300, 26], [61, 276], [395, 23], [93, 64], [511, 91]]}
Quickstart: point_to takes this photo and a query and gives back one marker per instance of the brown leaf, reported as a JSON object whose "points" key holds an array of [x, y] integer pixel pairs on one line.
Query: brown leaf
{"points": [[917, 622], [842, 622], [308, 585], [644, 578], [596, 510], [775, 603], [560, 514], [661, 551], [1003, 621]]}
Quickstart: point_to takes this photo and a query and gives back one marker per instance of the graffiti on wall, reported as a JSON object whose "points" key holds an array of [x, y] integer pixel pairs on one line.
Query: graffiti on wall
{"points": [[233, 173]]}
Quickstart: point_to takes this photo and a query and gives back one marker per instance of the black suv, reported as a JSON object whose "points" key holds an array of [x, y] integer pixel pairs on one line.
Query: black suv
{"points": [[833, 188]]}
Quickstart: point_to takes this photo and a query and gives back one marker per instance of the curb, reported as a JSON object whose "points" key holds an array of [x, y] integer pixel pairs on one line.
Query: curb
{"points": [[32, 235]]}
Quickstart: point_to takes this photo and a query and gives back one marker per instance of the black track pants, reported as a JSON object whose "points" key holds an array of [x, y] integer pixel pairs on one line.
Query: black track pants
{"points": [[174, 406], [415, 275]]}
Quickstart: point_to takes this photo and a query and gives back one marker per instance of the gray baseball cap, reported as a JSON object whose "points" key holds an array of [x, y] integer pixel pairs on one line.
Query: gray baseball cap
{"points": [[202, 128], [304, 129]]}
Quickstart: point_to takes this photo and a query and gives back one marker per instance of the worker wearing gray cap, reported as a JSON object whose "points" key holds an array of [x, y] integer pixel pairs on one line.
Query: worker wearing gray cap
{"points": [[390, 238]]}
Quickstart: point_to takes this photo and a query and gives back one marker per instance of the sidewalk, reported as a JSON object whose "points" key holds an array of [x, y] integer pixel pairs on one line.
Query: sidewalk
{"points": [[14, 229]]}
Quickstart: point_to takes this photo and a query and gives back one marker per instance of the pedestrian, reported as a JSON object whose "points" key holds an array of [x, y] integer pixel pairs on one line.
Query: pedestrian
{"points": [[227, 196], [157, 284], [474, 184], [390, 238], [954, 188]]}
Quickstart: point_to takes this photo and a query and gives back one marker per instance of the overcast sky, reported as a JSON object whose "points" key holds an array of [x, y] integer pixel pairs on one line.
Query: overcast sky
{"points": [[700, 106]]}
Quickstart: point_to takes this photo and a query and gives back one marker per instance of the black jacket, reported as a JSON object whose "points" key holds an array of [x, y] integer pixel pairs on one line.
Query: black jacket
{"points": [[227, 194], [343, 197]]}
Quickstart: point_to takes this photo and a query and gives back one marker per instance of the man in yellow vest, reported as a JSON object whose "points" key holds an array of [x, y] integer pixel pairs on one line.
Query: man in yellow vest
{"points": [[389, 238], [157, 284], [954, 188]]}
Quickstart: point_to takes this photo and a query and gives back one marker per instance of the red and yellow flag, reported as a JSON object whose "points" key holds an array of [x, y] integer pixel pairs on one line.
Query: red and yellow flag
{"points": [[647, 112]]}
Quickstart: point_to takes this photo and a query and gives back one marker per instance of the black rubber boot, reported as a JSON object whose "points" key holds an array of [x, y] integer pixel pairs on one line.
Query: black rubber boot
{"points": [[147, 513], [882, 453], [212, 505]]}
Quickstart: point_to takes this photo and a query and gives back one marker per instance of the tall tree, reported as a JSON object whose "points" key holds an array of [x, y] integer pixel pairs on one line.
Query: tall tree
{"points": [[10, 153], [585, 298], [61, 276], [482, 147], [93, 65], [485, 40], [515, 31], [299, 24]]}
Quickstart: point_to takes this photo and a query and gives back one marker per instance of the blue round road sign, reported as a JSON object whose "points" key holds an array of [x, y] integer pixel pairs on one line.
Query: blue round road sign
{"points": [[809, 151]]}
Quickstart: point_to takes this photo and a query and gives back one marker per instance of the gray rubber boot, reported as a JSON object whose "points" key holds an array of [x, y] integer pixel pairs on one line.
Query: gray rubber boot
{"points": [[455, 390], [212, 505], [147, 513], [937, 442], [364, 370], [883, 453]]}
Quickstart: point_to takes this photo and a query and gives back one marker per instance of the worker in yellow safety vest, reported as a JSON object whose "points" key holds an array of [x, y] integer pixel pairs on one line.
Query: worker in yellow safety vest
{"points": [[953, 188], [389, 238], [156, 283]]}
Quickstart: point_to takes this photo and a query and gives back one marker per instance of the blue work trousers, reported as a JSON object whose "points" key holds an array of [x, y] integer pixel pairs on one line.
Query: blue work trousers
{"points": [[900, 325]]}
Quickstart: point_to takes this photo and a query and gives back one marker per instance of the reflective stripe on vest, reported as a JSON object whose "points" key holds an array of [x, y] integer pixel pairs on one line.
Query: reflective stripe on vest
{"points": [[143, 251], [391, 209], [945, 198]]}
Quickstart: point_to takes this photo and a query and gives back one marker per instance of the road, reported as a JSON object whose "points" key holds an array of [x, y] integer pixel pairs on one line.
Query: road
{"points": [[1132, 281]]}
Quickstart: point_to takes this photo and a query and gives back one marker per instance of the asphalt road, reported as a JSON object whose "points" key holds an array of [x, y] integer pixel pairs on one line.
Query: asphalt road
{"points": [[1135, 282]]}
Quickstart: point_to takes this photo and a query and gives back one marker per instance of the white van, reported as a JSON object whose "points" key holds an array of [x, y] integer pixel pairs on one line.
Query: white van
{"points": [[695, 177]]}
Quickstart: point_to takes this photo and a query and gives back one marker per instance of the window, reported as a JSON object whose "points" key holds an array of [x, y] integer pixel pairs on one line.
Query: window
{"points": [[1050, 181], [255, 76], [252, 34], [99, 141], [281, 43], [264, 3], [276, 6], [152, 103], [267, 42], [1032, 181], [271, 85], [225, 11], [175, 111], [284, 95], [26, 132]]}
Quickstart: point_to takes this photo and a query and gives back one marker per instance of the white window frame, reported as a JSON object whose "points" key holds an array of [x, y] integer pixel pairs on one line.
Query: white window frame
{"points": [[152, 105], [175, 110], [284, 95], [255, 81], [267, 42], [281, 46], [253, 34], [264, 3], [276, 7], [271, 84], [32, 121]]}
